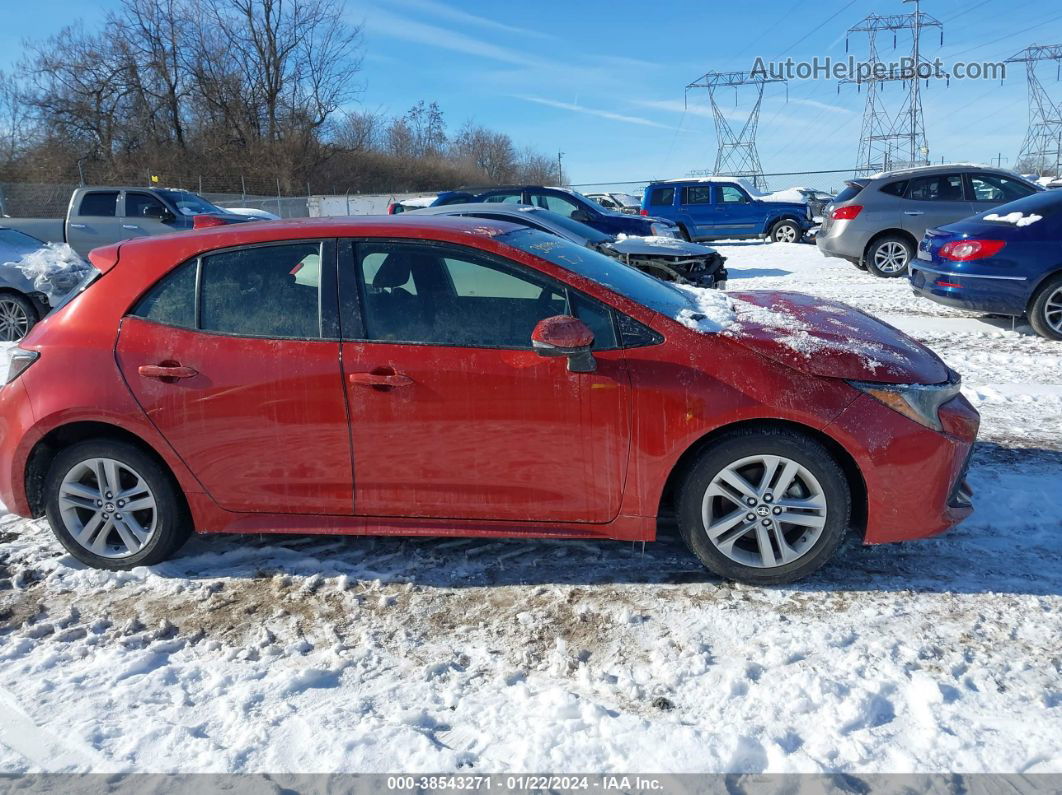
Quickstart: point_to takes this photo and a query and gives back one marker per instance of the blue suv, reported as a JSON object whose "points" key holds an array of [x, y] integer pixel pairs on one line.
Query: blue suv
{"points": [[567, 203], [718, 207]]}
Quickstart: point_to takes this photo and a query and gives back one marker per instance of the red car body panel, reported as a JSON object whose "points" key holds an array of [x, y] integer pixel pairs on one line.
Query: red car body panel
{"points": [[479, 441]]}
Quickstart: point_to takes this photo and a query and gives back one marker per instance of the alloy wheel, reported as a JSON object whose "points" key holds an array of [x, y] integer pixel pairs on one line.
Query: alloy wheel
{"points": [[891, 257], [14, 322], [764, 511], [1053, 310], [786, 233], [107, 508]]}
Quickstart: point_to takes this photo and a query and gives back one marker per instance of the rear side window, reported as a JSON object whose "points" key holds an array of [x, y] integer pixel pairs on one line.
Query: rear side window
{"points": [[938, 187], [172, 299], [700, 194], [256, 292], [850, 192], [660, 197], [100, 204], [895, 188]]}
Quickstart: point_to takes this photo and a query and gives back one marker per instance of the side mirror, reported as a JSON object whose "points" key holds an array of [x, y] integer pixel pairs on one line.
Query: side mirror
{"points": [[158, 213], [564, 335], [582, 216]]}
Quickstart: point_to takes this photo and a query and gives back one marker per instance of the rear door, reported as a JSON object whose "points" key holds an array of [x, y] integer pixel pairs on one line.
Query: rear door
{"points": [[934, 200], [234, 357], [697, 207], [94, 221], [452, 413]]}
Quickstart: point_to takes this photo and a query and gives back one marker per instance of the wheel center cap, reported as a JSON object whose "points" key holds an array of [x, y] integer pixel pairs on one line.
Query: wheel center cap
{"points": [[110, 507], [763, 510]]}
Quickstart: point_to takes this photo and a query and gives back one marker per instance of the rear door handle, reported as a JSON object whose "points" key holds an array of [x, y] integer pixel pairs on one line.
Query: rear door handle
{"points": [[166, 371], [77, 226], [379, 379], [913, 212], [130, 226]]}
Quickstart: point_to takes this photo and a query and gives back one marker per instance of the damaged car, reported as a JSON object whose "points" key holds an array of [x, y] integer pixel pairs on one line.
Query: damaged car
{"points": [[666, 258]]}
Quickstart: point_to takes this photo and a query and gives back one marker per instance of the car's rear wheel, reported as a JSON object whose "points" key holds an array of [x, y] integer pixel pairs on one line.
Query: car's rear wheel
{"points": [[1045, 312], [889, 257], [17, 317], [785, 232], [764, 507], [114, 507]]}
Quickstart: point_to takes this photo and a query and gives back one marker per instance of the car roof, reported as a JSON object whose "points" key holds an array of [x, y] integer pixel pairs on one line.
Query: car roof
{"points": [[940, 168], [179, 246]]}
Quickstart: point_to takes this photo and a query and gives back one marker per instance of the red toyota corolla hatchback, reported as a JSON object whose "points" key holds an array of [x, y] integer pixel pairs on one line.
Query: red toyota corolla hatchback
{"points": [[439, 376]]}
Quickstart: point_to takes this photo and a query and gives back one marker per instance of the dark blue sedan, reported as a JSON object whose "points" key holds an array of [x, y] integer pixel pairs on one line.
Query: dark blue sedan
{"points": [[1007, 261]]}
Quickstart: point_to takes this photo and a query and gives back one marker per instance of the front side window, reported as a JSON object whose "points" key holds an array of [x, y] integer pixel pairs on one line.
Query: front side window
{"points": [[506, 198], [730, 194], [938, 187], [262, 291], [442, 295], [701, 194], [661, 197], [998, 189], [143, 205], [557, 204], [99, 204]]}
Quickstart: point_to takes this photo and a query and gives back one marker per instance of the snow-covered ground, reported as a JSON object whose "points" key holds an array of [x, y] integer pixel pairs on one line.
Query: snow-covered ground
{"points": [[359, 654]]}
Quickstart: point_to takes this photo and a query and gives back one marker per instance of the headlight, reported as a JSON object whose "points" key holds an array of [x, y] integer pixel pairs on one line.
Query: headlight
{"points": [[663, 230], [918, 402]]}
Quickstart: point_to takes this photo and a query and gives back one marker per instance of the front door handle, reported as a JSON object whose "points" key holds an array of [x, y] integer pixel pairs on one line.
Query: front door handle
{"points": [[379, 379], [913, 212], [130, 226], [166, 371], [78, 226]]}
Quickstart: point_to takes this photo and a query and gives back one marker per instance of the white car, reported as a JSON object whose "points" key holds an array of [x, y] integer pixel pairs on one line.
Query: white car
{"points": [[253, 212], [620, 202]]}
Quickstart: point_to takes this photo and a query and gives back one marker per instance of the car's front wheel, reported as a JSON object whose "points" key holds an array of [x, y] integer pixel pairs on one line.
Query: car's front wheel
{"points": [[1045, 312], [785, 232], [113, 506], [17, 317], [764, 507], [889, 257]]}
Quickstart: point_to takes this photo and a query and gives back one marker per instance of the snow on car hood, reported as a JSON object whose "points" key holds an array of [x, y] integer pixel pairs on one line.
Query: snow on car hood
{"points": [[657, 245], [816, 336], [54, 269]]}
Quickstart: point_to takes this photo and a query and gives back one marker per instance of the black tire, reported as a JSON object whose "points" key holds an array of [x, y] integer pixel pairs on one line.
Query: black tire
{"points": [[1049, 293], [883, 249], [797, 447], [14, 306], [786, 231], [172, 524]]}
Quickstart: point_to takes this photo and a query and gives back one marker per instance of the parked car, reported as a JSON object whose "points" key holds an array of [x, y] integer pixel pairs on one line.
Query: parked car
{"points": [[568, 203], [620, 202], [101, 216], [876, 222], [670, 259], [447, 376], [815, 199], [32, 276], [415, 203], [711, 208], [1007, 261], [255, 213]]}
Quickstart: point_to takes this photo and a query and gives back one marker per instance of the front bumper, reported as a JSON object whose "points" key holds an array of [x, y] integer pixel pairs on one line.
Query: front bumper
{"points": [[915, 477]]}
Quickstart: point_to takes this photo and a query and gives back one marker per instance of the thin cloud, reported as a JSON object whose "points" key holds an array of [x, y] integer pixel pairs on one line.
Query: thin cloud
{"points": [[814, 103], [693, 107], [456, 15], [603, 114]]}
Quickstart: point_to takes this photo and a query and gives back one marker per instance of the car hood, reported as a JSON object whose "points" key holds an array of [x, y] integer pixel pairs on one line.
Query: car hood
{"points": [[830, 339], [635, 246], [800, 207]]}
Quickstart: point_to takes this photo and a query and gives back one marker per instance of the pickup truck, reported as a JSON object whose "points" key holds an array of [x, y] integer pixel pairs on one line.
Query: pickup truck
{"points": [[102, 216]]}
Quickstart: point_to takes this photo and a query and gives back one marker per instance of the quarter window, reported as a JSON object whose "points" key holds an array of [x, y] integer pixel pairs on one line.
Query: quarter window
{"points": [[99, 204], [660, 197]]}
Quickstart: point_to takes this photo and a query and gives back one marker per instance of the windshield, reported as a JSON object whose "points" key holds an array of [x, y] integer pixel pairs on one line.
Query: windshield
{"points": [[606, 271], [574, 227], [192, 204]]}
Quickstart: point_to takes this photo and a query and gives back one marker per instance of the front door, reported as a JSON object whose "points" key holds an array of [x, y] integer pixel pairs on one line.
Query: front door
{"points": [[229, 357], [735, 212], [452, 414], [143, 214]]}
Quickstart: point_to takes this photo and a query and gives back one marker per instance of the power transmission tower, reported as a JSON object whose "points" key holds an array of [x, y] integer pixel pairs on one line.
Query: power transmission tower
{"points": [[736, 154], [889, 141], [1042, 148]]}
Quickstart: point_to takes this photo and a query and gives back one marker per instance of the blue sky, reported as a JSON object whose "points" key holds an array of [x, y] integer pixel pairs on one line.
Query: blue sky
{"points": [[603, 81]]}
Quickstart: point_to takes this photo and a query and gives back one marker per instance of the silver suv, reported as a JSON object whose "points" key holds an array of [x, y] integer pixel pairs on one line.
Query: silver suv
{"points": [[877, 221]]}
